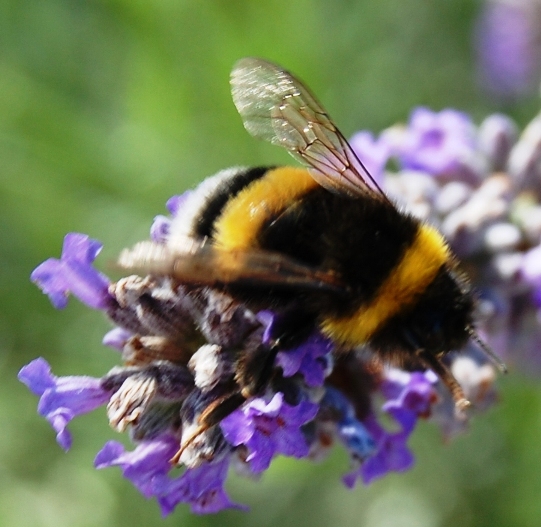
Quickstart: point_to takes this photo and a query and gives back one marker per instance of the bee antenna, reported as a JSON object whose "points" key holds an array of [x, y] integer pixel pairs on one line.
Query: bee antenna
{"points": [[486, 348]]}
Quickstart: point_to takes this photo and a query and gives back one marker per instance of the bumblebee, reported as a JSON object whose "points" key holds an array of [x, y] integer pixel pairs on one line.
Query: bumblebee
{"points": [[322, 245]]}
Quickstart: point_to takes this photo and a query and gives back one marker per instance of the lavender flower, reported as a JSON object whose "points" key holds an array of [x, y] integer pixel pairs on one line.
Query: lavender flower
{"points": [[62, 398], [508, 47], [441, 144], [181, 345], [312, 359], [160, 226], [73, 273], [374, 153], [201, 487], [148, 467], [142, 466], [409, 396], [269, 428], [392, 455]]}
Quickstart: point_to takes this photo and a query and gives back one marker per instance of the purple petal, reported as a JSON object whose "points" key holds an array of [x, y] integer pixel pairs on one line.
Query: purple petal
{"points": [[293, 443], [261, 451], [62, 398], [175, 203], [80, 248], [393, 455], [438, 143], [37, 376], [109, 453], [117, 338], [269, 428], [300, 414], [160, 229], [409, 396], [78, 394], [269, 320], [87, 284], [373, 153], [259, 407], [201, 488], [49, 278], [310, 358], [214, 501], [149, 460], [74, 273], [59, 419], [238, 428]]}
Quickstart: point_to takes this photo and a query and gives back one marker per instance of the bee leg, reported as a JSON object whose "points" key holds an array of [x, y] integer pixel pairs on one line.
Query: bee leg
{"points": [[211, 416], [255, 366], [443, 372], [254, 373], [255, 369]]}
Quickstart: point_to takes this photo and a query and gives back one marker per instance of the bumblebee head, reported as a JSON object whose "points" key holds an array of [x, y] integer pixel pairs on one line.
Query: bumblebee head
{"points": [[443, 321], [439, 324]]}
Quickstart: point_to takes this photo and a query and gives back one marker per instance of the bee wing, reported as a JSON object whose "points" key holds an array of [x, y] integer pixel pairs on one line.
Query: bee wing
{"points": [[277, 107], [204, 264]]}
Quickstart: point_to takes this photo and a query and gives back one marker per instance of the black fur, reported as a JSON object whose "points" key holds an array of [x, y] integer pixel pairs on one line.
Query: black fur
{"points": [[362, 240], [224, 192], [437, 322]]}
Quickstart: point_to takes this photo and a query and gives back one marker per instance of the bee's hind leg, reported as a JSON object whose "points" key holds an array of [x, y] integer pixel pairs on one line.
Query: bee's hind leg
{"points": [[254, 372]]}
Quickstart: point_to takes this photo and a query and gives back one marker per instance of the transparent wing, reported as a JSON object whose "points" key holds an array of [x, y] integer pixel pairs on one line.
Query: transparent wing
{"points": [[277, 107], [204, 264]]}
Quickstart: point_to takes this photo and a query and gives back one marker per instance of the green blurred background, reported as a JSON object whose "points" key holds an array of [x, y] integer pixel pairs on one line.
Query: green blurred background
{"points": [[107, 108]]}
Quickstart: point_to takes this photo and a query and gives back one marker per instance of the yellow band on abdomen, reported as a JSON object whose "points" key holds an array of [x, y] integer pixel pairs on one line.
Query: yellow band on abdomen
{"points": [[244, 216], [407, 281]]}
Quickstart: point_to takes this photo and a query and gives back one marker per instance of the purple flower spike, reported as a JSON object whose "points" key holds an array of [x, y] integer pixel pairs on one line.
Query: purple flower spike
{"points": [[311, 359], [149, 460], [200, 487], [74, 274], [268, 429], [438, 143], [62, 398]]}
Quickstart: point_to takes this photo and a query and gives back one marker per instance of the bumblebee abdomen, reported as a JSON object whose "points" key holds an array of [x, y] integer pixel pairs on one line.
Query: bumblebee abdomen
{"points": [[404, 286], [246, 216]]}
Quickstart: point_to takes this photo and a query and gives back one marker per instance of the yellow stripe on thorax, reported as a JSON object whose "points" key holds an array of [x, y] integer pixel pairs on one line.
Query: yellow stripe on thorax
{"points": [[246, 213], [415, 271]]}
